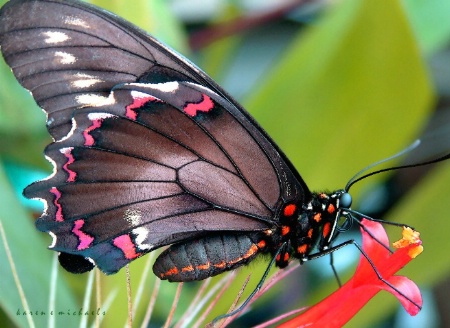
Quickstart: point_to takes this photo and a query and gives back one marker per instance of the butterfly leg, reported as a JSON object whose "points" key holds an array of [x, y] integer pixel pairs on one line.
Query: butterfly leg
{"points": [[352, 241], [280, 249]]}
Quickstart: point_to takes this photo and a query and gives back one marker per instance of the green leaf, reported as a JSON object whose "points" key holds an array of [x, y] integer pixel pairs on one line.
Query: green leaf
{"points": [[351, 91], [430, 21], [22, 122], [32, 262]]}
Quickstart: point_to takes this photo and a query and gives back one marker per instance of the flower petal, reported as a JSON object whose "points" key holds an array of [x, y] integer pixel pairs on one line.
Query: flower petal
{"points": [[409, 289], [343, 304]]}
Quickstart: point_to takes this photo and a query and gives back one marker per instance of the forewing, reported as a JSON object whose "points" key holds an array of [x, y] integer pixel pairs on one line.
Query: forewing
{"points": [[63, 51]]}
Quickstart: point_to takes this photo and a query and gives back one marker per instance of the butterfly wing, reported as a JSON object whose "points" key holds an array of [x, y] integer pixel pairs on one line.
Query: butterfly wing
{"points": [[149, 151], [63, 50]]}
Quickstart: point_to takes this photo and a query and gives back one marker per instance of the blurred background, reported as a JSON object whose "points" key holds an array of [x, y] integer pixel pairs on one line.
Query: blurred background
{"points": [[337, 84]]}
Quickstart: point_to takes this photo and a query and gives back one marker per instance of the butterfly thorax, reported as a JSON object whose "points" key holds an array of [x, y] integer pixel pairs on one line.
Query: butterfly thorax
{"points": [[312, 225]]}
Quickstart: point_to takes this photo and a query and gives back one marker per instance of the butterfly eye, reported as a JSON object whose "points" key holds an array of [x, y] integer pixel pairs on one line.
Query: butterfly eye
{"points": [[345, 201]]}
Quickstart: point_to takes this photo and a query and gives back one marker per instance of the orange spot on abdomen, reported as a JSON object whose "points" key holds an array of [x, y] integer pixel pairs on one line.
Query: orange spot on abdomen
{"points": [[170, 272]]}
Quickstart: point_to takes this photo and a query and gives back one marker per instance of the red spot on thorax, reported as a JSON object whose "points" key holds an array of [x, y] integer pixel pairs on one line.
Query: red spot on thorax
{"points": [[85, 239], [127, 246], [331, 208], [289, 210], [326, 229], [302, 249], [285, 230], [262, 244], [59, 217], [138, 102], [205, 105], [286, 257], [310, 233], [70, 159], [317, 217], [88, 139]]}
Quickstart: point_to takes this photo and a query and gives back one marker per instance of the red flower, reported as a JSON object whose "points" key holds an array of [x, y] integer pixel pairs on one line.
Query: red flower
{"points": [[342, 305]]}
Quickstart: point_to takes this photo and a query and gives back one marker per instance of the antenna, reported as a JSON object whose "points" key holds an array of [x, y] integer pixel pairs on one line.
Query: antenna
{"points": [[359, 176]]}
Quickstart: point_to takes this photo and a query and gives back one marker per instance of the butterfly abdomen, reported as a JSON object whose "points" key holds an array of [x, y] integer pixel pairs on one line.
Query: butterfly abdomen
{"points": [[206, 257]]}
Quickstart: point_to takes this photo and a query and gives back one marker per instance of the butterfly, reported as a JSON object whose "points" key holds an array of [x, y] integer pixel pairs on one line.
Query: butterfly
{"points": [[149, 152]]}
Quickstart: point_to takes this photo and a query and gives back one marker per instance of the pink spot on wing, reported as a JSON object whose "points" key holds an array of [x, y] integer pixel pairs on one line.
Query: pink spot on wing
{"points": [[88, 139], [59, 217], [205, 105], [127, 246], [70, 159], [85, 239], [139, 100]]}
